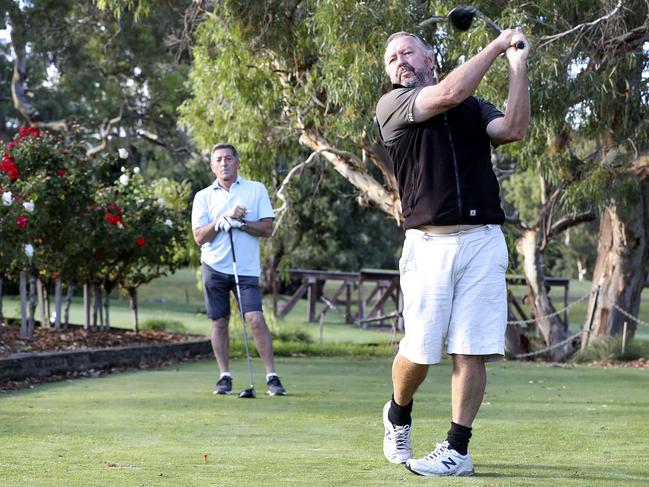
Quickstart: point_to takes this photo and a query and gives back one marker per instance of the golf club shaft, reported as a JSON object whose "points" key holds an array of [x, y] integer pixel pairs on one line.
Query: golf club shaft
{"points": [[243, 323], [517, 45]]}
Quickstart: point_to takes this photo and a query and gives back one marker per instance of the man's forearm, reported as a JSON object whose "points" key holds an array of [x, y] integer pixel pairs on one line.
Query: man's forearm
{"points": [[466, 78], [206, 233], [460, 83], [260, 228], [517, 113]]}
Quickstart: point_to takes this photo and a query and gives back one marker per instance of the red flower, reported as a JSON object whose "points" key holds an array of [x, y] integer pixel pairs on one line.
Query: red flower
{"points": [[8, 165], [113, 214], [21, 221], [26, 131], [60, 172], [139, 241], [11, 145]]}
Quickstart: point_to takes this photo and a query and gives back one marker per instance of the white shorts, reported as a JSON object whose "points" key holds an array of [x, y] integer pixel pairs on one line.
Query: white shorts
{"points": [[454, 288]]}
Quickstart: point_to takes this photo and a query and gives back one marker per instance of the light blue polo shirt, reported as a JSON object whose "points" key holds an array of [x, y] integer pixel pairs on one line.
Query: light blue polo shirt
{"points": [[215, 200]]}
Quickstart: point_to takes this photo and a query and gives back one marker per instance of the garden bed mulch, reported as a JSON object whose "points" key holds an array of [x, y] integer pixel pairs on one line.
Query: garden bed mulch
{"points": [[76, 338]]}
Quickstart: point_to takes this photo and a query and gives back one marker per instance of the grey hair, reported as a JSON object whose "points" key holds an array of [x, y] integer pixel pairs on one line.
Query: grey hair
{"points": [[224, 146], [425, 45]]}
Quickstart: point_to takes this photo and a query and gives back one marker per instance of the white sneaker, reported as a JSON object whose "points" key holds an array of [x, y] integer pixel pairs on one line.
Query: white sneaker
{"points": [[442, 461], [396, 442]]}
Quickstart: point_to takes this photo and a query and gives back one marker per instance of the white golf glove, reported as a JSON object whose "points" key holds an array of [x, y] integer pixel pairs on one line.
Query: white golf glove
{"points": [[226, 223]]}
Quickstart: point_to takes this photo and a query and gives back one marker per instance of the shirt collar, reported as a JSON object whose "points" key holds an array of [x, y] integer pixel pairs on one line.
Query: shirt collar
{"points": [[216, 185]]}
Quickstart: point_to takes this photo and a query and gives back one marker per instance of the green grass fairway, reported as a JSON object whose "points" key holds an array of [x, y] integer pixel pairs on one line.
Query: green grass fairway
{"points": [[540, 425]]}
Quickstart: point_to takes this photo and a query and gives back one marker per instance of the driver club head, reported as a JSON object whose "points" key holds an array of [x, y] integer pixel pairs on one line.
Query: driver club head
{"points": [[462, 17], [248, 393]]}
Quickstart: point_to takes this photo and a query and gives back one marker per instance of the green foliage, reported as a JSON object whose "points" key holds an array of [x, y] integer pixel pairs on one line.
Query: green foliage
{"points": [[609, 349], [102, 75], [523, 195], [326, 229], [160, 324], [261, 75], [292, 336]]}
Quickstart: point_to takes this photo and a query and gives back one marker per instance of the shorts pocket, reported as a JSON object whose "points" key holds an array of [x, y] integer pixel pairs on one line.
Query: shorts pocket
{"points": [[407, 261]]}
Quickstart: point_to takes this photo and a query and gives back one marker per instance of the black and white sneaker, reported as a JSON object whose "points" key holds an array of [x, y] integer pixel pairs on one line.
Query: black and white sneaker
{"points": [[224, 385], [275, 387]]}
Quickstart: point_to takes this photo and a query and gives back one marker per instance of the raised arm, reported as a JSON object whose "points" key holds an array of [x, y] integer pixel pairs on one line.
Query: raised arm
{"points": [[461, 82], [514, 124]]}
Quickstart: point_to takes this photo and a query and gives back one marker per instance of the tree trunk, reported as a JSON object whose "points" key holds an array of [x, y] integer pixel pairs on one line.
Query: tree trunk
{"points": [[552, 328], [108, 288], [33, 278], [24, 329], [40, 293], [516, 341], [58, 297], [132, 301], [622, 265], [86, 306], [68, 303], [357, 173], [2, 320]]}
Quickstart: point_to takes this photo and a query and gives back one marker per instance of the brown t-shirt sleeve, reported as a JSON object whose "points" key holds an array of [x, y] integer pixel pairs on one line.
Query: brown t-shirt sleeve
{"points": [[394, 112]]}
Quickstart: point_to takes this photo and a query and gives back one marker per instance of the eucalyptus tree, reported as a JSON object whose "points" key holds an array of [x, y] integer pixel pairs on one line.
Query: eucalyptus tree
{"points": [[111, 82]]}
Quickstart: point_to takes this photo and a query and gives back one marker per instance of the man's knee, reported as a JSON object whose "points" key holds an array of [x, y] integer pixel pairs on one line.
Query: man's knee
{"points": [[467, 361], [221, 324], [256, 321]]}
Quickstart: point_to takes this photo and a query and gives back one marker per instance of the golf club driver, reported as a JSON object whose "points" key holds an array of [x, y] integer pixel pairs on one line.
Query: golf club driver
{"points": [[250, 392], [462, 18]]}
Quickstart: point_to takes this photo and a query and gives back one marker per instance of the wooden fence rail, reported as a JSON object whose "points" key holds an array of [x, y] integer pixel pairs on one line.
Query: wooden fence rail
{"points": [[378, 288]]}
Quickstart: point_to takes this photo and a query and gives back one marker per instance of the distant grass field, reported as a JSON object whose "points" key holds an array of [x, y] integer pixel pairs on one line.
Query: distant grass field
{"points": [[177, 297], [539, 426]]}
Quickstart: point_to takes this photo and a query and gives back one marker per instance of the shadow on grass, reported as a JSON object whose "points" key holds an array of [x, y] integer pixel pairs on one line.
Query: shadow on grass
{"points": [[558, 472]]}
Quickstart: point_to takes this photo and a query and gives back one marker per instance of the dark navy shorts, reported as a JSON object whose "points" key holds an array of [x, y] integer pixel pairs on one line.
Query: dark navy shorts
{"points": [[217, 287]]}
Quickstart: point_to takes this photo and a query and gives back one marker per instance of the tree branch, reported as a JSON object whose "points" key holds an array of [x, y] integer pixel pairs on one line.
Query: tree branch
{"points": [[281, 211], [18, 88], [104, 132], [545, 40], [352, 169], [570, 221]]}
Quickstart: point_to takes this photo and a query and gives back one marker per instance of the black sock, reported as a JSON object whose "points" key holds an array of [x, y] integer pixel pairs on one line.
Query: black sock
{"points": [[458, 438], [400, 415]]}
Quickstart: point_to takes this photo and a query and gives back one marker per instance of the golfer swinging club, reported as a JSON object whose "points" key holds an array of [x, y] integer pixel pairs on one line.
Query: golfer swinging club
{"points": [[233, 204], [454, 256]]}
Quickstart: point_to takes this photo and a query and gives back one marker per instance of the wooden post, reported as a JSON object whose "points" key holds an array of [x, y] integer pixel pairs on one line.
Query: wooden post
{"points": [[322, 315], [311, 299], [584, 342], [348, 303], [624, 338]]}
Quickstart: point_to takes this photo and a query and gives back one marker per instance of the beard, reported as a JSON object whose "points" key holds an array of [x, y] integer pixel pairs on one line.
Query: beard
{"points": [[418, 78]]}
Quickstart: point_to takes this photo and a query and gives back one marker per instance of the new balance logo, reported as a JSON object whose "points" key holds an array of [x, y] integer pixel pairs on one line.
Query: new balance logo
{"points": [[448, 463]]}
